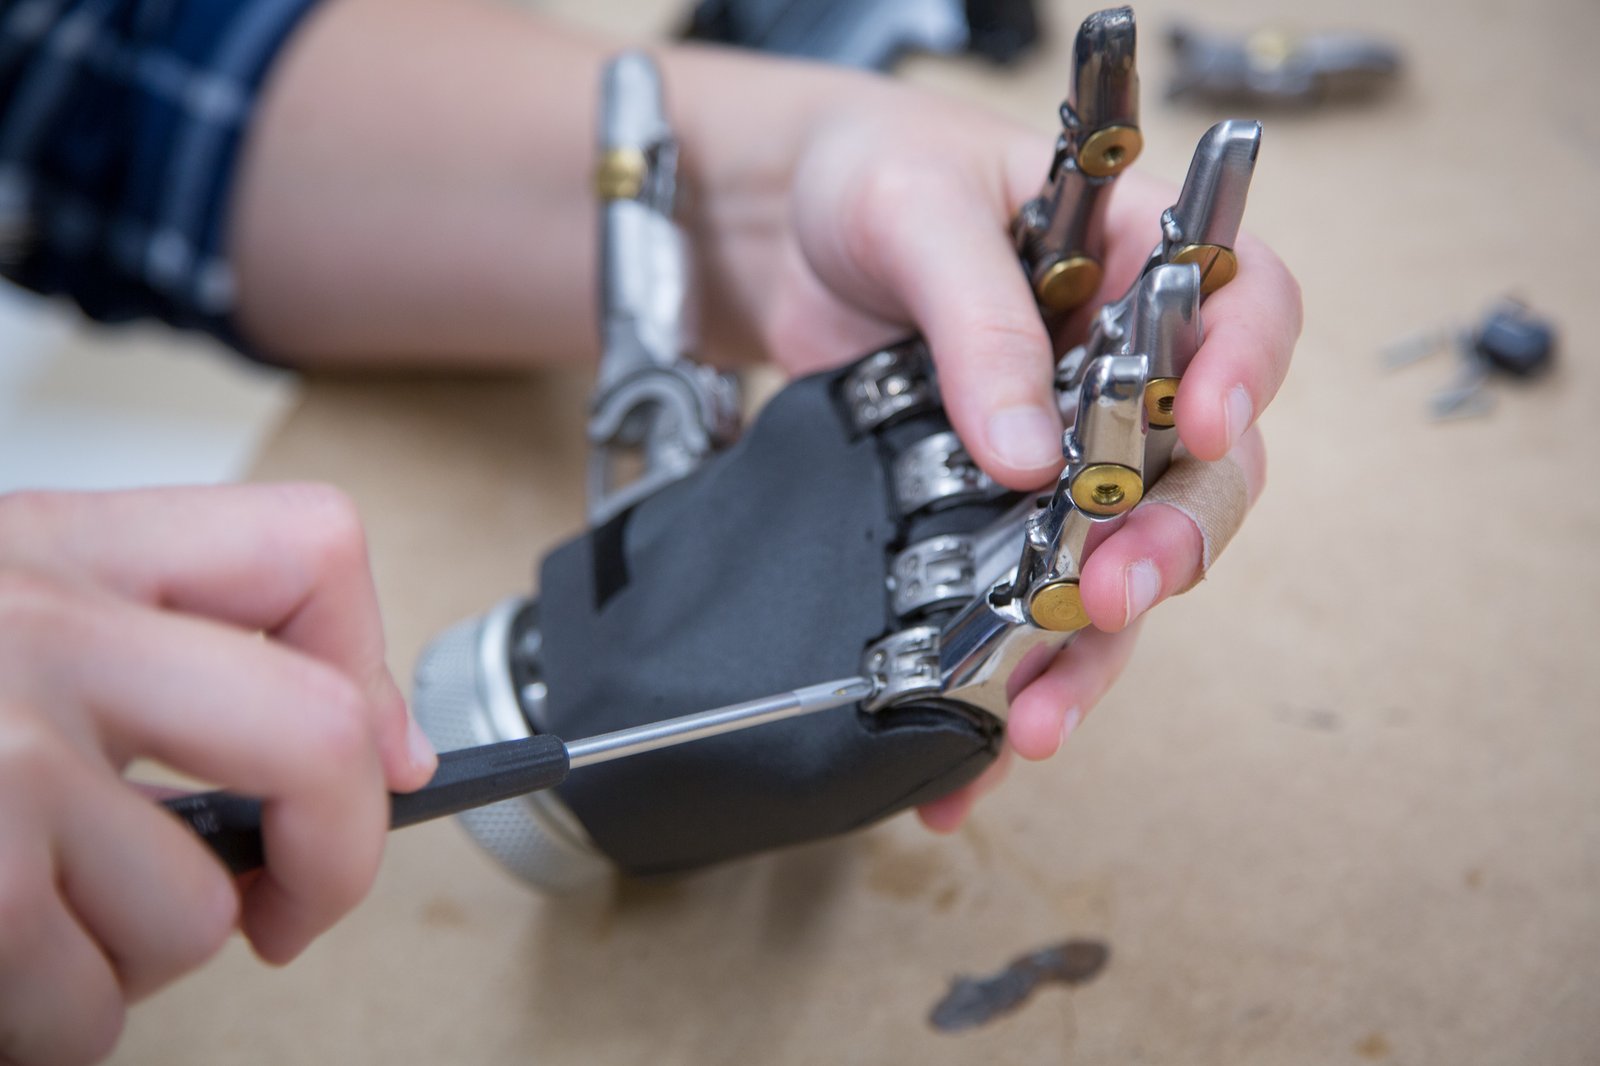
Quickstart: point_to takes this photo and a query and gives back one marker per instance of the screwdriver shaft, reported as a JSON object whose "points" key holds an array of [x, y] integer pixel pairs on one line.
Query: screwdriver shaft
{"points": [[680, 730]]}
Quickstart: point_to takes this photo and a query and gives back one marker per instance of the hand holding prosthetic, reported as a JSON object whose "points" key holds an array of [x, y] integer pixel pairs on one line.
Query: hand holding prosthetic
{"points": [[845, 533]]}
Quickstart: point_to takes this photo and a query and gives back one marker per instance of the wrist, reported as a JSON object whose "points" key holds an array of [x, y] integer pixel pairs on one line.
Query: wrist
{"points": [[744, 125]]}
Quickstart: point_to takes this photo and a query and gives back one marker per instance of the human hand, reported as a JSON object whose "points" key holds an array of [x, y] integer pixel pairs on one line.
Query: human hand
{"points": [[228, 633], [899, 214]]}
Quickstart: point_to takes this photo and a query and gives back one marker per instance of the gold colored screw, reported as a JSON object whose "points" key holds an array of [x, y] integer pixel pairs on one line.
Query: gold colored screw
{"points": [[1058, 607], [1107, 488], [1217, 264], [1160, 396], [1109, 151], [620, 174], [1068, 283]]}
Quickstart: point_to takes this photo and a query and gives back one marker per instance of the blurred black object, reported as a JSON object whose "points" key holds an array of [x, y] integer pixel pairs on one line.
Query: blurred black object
{"points": [[1270, 67], [869, 33], [1511, 340], [1515, 341]]}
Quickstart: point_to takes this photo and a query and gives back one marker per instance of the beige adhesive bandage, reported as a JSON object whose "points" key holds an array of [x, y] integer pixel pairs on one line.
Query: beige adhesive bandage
{"points": [[1212, 495]]}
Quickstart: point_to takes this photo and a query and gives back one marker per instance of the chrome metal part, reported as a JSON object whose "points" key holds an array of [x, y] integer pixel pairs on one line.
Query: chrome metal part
{"points": [[1116, 391], [1108, 437], [1060, 233], [931, 573], [646, 312], [1104, 450], [667, 421], [1210, 206], [1200, 227], [903, 665], [1166, 334], [1203, 225], [656, 414], [1105, 86], [991, 649], [937, 471], [701, 724], [890, 384]]}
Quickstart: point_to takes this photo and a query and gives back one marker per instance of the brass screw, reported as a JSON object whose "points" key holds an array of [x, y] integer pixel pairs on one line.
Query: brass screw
{"points": [[1217, 264], [1107, 489], [620, 174], [1160, 396], [1109, 151], [1068, 283], [1058, 607]]}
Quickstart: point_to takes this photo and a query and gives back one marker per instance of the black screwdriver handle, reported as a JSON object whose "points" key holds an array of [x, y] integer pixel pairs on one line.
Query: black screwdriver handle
{"points": [[230, 824]]}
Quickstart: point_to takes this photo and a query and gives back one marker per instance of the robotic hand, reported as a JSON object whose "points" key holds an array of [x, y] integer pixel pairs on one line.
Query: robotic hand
{"points": [[846, 533]]}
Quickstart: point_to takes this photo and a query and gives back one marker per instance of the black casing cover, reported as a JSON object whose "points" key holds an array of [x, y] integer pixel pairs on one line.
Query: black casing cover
{"points": [[763, 571]]}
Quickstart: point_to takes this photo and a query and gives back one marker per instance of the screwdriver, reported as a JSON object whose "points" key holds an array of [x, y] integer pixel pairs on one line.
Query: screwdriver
{"points": [[230, 824]]}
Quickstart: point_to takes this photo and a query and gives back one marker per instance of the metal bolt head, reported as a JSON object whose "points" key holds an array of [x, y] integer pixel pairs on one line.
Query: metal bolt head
{"points": [[1159, 397], [1058, 607], [1217, 264], [1110, 151], [1107, 489], [1068, 283], [620, 174]]}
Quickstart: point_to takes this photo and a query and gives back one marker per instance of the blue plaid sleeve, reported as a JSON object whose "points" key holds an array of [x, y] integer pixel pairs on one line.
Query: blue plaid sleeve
{"points": [[120, 125]]}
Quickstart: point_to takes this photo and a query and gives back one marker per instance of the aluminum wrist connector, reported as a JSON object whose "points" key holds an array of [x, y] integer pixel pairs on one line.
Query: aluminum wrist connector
{"points": [[846, 531], [655, 409]]}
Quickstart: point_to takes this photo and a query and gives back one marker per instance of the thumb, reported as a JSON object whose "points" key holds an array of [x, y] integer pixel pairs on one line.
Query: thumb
{"points": [[929, 244]]}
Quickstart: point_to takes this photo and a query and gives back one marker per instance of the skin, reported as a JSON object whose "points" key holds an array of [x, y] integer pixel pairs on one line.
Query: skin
{"points": [[415, 189]]}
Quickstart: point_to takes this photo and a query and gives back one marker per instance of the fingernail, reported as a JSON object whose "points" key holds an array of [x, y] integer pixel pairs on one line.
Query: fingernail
{"points": [[1027, 438], [419, 747], [1141, 585], [1069, 722], [1238, 413]]}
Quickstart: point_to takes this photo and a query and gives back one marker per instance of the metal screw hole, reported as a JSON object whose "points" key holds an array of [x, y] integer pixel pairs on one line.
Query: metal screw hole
{"points": [[1107, 494]]}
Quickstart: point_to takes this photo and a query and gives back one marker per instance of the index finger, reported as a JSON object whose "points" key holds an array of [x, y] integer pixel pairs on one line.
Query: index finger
{"points": [[290, 560]]}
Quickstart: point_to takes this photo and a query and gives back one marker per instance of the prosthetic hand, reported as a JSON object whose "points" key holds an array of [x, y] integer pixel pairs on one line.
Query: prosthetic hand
{"points": [[845, 534]]}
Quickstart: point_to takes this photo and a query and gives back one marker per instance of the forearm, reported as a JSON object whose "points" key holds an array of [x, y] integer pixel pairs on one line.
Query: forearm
{"points": [[417, 184], [414, 188]]}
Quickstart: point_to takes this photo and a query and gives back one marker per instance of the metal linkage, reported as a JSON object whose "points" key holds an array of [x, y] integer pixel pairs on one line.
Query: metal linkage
{"points": [[1200, 228], [934, 572], [1117, 390], [891, 384], [938, 472], [1060, 233], [656, 413]]}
